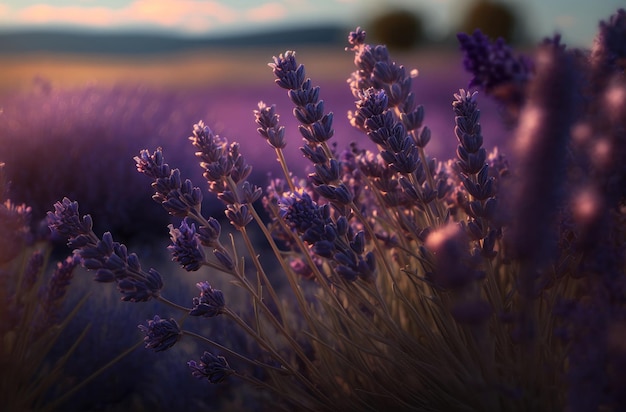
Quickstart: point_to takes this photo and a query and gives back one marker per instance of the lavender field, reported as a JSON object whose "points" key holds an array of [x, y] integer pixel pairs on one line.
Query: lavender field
{"points": [[105, 110], [324, 254]]}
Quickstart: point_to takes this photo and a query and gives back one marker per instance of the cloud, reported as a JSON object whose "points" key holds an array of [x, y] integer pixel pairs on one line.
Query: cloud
{"points": [[44, 13], [170, 13], [187, 15], [266, 12]]}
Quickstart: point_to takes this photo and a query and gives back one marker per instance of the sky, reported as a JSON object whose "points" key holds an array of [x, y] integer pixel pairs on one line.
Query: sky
{"points": [[576, 20]]}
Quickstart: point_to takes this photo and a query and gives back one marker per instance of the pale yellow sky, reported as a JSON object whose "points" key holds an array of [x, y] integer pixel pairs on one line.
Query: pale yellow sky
{"points": [[576, 19]]}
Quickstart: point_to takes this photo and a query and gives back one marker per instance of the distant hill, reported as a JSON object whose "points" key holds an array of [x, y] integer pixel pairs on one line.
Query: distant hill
{"points": [[58, 41]]}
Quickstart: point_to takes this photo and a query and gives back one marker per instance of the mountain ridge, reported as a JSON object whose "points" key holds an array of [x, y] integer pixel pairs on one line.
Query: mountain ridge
{"points": [[137, 43]]}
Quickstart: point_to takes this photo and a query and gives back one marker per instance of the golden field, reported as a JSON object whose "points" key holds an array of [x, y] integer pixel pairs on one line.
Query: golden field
{"points": [[181, 71]]}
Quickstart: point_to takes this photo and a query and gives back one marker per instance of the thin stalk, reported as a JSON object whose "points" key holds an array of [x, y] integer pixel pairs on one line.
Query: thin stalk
{"points": [[232, 352], [378, 248], [283, 164], [233, 316], [197, 216], [262, 275], [172, 304], [286, 269]]}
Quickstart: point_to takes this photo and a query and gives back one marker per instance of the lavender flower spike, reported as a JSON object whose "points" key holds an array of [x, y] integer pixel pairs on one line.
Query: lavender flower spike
{"points": [[161, 334], [210, 303], [302, 213], [472, 156], [269, 128], [495, 69], [492, 63], [177, 197], [186, 248], [66, 221], [608, 54], [213, 367], [110, 260], [289, 75], [57, 287]]}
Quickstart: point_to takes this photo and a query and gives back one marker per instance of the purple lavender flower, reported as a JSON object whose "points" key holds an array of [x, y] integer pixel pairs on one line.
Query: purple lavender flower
{"points": [[186, 248], [56, 289], [608, 53], [289, 75], [213, 367], [475, 171], [372, 114], [303, 214], [357, 37], [371, 105], [316, 126], [15, 232], [329, 239], [161, 334], [153, 165], [221, 162], [66, 221], [376, 69], [467, 131], [212, 147], [241, 170], [495, 69], [492, 63], [267, 119], [213, 154], [238, 215], [177, 197], [210, 303], [224, 259], [110, 260], [113, 263], [33, 269]]}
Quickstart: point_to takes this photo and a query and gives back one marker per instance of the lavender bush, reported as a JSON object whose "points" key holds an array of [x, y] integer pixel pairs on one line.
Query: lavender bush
{"points": [[84, 131], [399, 282]]}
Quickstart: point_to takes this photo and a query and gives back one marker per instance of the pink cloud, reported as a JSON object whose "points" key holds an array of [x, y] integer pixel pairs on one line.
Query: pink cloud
{"points": [[188, 15], [266, 12]]}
